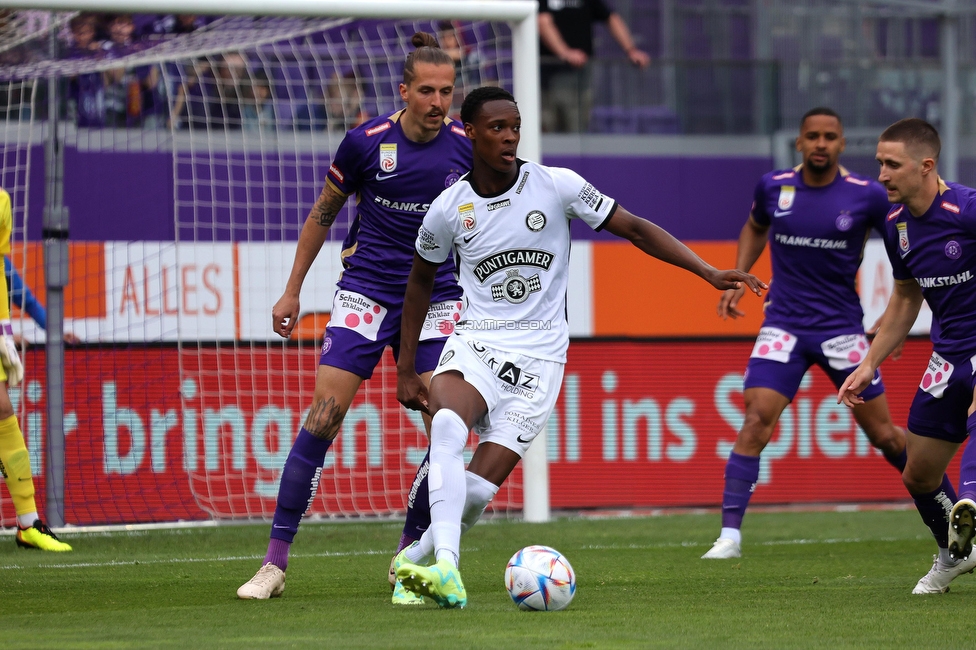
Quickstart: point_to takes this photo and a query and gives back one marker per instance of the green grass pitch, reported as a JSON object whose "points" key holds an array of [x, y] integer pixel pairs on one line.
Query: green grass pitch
{"points": [[807, 579]]}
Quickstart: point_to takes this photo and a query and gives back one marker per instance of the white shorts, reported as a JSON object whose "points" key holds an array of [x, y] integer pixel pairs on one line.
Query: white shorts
{"points": [[520, 390]]}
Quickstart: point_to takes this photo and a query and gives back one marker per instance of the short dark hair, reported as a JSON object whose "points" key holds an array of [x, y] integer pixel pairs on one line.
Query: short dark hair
{"points": [[480, 96], [914, 132], [821, 110], [427, 51]]}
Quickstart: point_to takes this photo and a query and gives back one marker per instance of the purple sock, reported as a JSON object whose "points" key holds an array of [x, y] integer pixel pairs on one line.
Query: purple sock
{"points": [[299, 481], [934, 508], [967, 469], [277, 553], [418, 507], [899, 461], [741, 474]]}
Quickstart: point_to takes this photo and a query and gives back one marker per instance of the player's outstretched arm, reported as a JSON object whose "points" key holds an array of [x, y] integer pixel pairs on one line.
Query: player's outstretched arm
{"points": [[284, 314], [659, 243], [752, 241], [898, 319], [411, 391]]}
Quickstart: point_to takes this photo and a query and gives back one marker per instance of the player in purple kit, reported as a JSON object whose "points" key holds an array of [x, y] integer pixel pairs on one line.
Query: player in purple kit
{"points": [[930, 236], [396, 165], [816, 218]]}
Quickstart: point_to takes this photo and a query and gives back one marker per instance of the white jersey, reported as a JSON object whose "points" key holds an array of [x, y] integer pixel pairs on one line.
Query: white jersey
{"points": [[512, 255]]}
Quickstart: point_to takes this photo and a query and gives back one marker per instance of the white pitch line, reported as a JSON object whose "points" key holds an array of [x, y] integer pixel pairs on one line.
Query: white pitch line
{"points": [[587, 547], [782, 542], [111, 563]]}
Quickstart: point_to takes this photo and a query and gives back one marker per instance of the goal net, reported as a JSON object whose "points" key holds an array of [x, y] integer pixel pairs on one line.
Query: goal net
{"points": [[190, 163]]}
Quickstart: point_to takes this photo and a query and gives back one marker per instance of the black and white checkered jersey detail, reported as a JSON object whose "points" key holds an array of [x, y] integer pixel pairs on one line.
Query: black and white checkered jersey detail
{"points": [[513, 255]]}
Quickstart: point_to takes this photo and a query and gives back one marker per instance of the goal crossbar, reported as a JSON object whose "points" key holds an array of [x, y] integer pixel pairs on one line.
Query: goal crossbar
{"points": [[508, 10]]}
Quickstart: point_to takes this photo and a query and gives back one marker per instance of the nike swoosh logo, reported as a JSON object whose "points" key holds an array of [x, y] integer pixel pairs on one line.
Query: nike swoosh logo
{"points": [[277, 526], [519, 438], [876, 381], [468, 239], [968, 482], [782, 213], [383, 177]]}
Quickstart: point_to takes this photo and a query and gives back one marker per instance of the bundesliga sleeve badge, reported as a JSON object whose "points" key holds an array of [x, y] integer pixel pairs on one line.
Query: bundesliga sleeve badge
{"points": [[466, 215], [903, 245], [388, 156], [787, 194]]}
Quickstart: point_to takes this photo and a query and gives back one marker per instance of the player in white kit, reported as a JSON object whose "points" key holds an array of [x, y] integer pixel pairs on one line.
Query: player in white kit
{"points": [[500, 373]]}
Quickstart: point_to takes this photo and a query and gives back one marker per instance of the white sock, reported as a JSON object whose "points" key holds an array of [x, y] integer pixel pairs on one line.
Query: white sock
{"points": [[944, 557], [480, 493], [731, 533], [26, 521], [447, 484], [418, 553]]}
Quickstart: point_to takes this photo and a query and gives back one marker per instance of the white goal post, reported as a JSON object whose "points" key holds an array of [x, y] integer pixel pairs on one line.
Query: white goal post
{"points": [[520, 15]]}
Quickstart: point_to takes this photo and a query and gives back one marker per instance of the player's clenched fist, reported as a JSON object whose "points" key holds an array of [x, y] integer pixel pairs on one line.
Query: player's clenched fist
{"points": [[411, 391], [284, 315]]}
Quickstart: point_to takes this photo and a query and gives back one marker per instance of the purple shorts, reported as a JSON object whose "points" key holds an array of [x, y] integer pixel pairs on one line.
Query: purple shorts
{"points": [[781, 358], [361, 327], [943, 398]]}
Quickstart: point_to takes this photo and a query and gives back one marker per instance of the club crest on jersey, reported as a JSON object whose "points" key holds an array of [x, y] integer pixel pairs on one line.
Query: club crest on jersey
{"points": [[515, 289], [903, 244], [844, 221], [388, 156], [466, 215], [535, 221], [953, 250], [787, 194]]}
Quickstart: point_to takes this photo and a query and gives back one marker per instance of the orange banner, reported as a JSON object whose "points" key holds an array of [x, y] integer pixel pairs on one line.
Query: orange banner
{"points": [[636, 295], [84, 297]]}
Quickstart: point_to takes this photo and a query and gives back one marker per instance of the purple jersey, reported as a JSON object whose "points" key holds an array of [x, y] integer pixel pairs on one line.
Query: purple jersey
{"points": [[938, 250], [395, 180], [816, 239]]}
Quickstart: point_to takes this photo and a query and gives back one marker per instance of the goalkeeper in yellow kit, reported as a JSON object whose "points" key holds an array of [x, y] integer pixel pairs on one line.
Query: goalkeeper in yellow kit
{"points": [[14, 461]]}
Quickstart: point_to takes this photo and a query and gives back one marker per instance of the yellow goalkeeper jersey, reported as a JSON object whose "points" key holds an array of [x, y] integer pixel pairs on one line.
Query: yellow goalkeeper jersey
{"points": [[6, 227]]}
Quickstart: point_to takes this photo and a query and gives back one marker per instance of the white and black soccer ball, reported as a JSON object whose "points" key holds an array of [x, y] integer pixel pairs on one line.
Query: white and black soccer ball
{"points": [[539, 578]]}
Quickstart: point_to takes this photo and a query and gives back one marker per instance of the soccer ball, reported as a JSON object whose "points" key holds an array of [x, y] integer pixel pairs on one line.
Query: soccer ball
{"points": [[539, 578]]}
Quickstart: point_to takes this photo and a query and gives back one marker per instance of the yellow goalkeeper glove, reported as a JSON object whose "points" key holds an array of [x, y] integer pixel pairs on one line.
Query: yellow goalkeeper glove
{"points": [[9, 357]]}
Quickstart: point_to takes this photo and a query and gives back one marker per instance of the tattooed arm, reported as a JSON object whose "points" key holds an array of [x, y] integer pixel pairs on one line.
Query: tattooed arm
{"points": [[284, 314]]}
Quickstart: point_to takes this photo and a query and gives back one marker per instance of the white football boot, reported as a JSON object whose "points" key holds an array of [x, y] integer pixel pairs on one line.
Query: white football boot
{"points": [[723, 549], [937, 580], [268, 582]]}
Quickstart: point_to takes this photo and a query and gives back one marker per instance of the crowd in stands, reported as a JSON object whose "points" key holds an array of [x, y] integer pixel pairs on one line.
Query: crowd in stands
{"points": [[225, 91]]}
